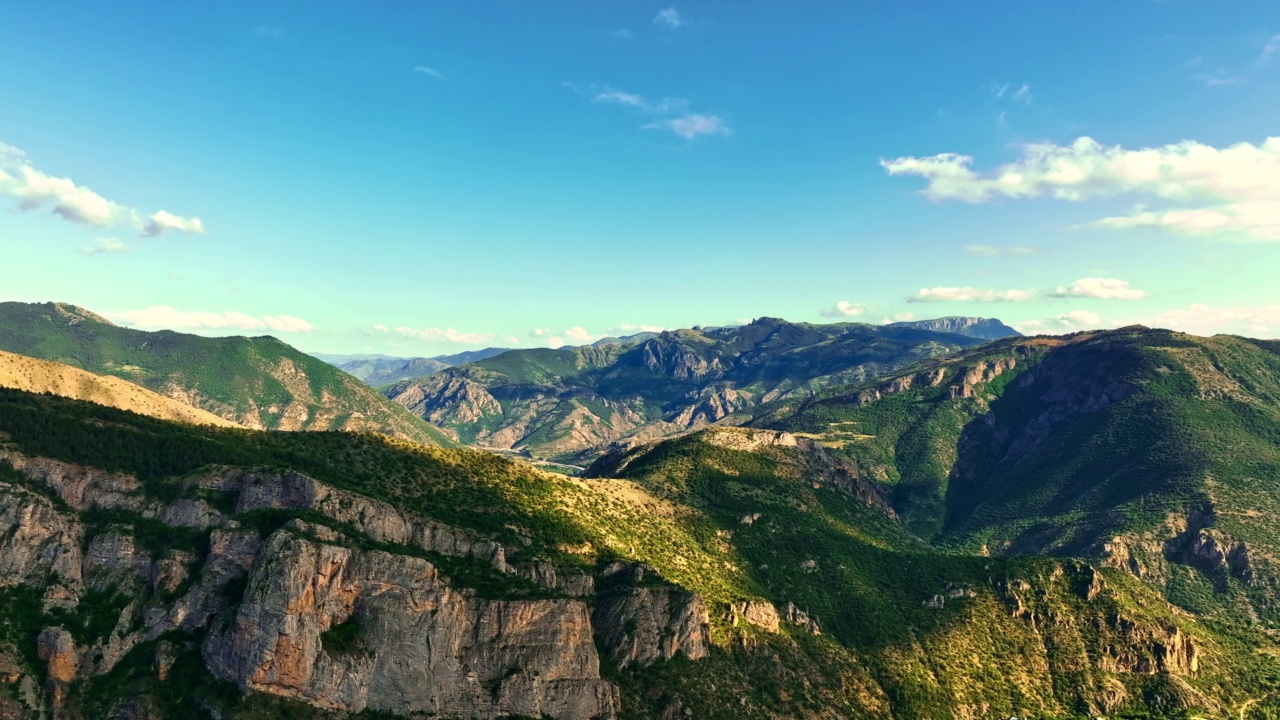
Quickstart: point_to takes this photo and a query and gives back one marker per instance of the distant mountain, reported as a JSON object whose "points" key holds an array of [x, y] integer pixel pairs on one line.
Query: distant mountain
{"points": [[982, 328], [383, 371], [257, 382], [470, 356], [570, 404], [378, 370], [33, 375]]}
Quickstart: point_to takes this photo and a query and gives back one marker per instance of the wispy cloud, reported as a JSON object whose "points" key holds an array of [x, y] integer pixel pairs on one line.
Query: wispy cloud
{"points": [[969, 294], [692, 125], [1219, 78], [78, 204], [429, 72], [1269, 49], [271, 33], [672, 111], [447, 335], [669, 18], [639, 102], [1197, 319], [844, 309], [1020, 93], [154, 318], [641, 328], [995, 250], [623, 34], [1231, 190], [104, 245], [1100, 289]]}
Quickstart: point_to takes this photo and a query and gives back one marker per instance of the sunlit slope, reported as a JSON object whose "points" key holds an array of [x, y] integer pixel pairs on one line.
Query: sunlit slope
{"points": [[257, 382]]}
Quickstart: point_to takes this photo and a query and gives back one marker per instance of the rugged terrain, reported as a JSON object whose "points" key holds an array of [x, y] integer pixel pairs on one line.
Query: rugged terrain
{"points": [[255, 382], [572, 403], [1062, 527], [1146, 450]]}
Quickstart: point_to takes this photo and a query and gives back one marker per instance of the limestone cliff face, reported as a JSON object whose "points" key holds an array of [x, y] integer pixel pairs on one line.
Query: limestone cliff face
{"points": [[425, 647], [640, 625]]}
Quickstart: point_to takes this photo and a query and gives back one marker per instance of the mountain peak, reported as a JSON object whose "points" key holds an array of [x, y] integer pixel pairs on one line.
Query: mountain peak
{"points": [[976, 327]]}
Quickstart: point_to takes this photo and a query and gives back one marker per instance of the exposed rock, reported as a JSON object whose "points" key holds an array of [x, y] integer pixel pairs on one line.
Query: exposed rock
{"points": [[36, 541], [57, 650], [640, 625], [795, 615], [425, 647], [760, 613], [748, 440], [83, 488], [379, 520]]}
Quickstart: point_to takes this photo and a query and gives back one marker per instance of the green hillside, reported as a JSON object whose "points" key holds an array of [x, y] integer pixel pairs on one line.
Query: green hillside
{"points": [[1149, 450], [257, 382]]}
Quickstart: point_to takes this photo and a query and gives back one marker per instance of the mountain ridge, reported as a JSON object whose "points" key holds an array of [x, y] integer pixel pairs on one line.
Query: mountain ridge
{"points": [[256, 382], [569, 404]]}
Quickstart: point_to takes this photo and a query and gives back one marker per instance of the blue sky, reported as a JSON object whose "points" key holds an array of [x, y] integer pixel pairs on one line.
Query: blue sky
{"points": [[423, 177]]}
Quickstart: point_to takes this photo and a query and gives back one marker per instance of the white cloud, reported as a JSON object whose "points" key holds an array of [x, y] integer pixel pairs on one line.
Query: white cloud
{"points": [[670, 18], [844, 309], [76, 203], [424, 70], [994, 250], [1271, 47], [381, 328], [1201, 319], [1234, 190], [163, 317], [968, 294], [1102, 289], [623, 34], [578, 334], [642, 328], [639, 102], [164, 220], [105, 245], [448, 335], [691, 126], [1079, 319]]}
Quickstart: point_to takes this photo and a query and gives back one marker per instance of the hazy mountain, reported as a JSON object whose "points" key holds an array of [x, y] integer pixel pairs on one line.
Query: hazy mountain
{"points": [[257, 382], [981, 328], [571, 403], [378, 370]]}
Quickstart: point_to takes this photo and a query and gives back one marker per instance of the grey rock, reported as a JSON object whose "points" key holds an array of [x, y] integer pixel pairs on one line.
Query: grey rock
{"points": [[425, 647]]}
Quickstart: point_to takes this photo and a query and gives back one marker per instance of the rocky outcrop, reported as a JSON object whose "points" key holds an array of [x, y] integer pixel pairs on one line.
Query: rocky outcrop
{"points": [[424, 647], [641, 624], [57, 650], [379, 520], [36, 541]]}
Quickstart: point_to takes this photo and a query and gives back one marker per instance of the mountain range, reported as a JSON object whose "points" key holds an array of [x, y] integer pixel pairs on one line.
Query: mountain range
{"points": [[904, 523], [570, 404]]}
